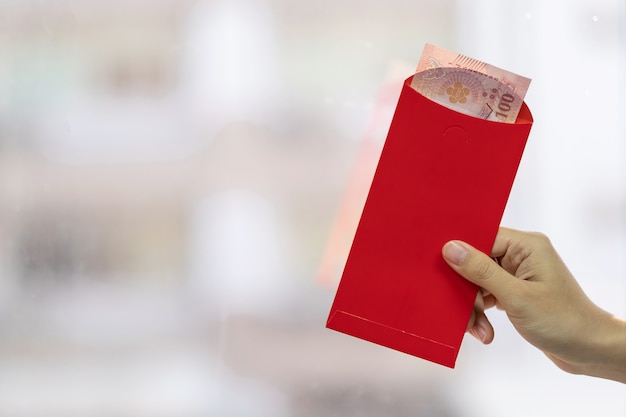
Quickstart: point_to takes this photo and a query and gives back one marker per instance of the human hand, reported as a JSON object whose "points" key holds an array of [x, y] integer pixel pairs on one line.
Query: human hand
{"points": [[544, 302]]}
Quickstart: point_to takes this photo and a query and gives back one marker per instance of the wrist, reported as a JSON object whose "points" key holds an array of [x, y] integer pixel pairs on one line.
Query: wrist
{"points": [[607, 357]]}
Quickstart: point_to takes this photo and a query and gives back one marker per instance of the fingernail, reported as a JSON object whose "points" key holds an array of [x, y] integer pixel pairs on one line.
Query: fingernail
{"points": [[481, 333], [455, 253]]}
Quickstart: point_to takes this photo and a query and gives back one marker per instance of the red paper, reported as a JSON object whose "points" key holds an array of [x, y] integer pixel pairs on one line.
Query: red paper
{"points": [[442, 175]]}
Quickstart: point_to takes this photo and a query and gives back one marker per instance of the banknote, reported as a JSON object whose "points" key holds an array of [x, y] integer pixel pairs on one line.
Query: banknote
{"points": [[469, 86]]}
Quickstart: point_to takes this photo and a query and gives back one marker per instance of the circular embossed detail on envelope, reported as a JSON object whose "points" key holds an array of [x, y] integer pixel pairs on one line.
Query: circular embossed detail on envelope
{"points": [[456, 134]]}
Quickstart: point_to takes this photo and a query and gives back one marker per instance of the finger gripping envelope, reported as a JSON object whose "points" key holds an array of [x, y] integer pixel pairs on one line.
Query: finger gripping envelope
{"points": [[442, 175]]}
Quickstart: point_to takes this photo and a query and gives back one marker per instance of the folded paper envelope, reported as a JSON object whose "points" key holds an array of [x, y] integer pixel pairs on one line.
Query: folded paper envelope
{"points": [[442, 175]]}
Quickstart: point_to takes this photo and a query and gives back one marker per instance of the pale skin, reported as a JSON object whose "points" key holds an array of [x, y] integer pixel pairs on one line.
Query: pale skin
{"points": [[544, 302]]}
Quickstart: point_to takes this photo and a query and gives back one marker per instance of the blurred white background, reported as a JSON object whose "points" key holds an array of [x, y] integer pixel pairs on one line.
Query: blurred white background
{"points": [[178, 181]]}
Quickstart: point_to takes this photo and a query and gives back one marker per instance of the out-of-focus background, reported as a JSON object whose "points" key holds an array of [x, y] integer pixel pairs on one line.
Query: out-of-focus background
{"points": [[179, 180]]}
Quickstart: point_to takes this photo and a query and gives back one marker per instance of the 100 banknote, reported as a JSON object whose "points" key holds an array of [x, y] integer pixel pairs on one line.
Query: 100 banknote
{"points": [[469, 86]]}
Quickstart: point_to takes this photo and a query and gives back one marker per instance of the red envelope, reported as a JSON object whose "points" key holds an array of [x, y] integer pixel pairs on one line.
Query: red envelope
{"points": [[442, 175]]}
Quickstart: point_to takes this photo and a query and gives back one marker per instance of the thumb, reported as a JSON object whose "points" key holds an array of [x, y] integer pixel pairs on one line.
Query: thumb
{"points": [[480, 269]]}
